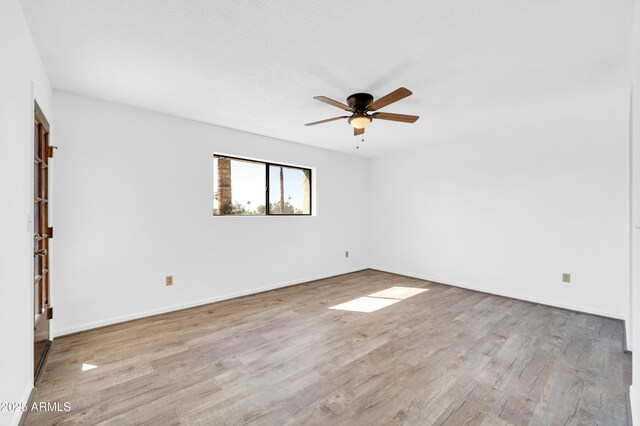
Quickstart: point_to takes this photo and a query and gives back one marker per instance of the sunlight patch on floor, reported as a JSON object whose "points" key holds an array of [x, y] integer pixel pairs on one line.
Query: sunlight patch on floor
{"points": [[379, 300], [86, 367], [399, 292], [365, 304]]}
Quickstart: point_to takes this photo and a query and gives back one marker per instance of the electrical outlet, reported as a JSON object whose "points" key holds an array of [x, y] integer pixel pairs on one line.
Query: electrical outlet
{"points": [[169, 280], [346, 253], [566, 278]]}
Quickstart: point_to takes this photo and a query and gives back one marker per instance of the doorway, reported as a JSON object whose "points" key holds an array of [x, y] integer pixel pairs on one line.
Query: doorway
{"points": [[42, 233]]}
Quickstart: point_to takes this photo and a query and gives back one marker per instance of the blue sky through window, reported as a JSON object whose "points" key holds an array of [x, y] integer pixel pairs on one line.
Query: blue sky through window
{"points": [[293, 186]]}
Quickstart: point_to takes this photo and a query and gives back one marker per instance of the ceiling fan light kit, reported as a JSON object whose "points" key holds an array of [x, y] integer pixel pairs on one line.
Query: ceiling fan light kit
{"points": [[360, 121], [361, 104]]}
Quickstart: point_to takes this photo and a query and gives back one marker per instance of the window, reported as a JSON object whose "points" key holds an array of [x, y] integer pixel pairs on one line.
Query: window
{"points": [[245, 187]]}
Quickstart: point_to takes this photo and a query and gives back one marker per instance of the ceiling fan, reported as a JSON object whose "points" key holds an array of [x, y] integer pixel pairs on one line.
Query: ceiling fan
{"points": [[361, 104]]}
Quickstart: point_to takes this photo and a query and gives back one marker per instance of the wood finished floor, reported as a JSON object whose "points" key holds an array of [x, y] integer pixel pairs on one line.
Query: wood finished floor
{"points": [[447, 356]]}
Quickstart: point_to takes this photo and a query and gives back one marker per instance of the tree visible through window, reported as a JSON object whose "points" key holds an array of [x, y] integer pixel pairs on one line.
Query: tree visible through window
{"points": [[253, 188]]}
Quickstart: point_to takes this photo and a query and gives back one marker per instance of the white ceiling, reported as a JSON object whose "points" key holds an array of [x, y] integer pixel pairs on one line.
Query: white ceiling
{"points": [[255, 66]]}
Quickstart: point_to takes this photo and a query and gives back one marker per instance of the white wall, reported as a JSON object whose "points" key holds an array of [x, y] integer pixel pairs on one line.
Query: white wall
{"points": [[22, 77], [508, 211], [134, 203], [635, 217]]}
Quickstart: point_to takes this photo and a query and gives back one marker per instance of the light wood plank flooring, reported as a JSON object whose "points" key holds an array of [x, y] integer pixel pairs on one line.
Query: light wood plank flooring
{"points": [[447, 356]]}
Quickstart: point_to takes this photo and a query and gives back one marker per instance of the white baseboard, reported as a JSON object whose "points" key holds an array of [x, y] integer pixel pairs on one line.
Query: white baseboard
{"points": [[142, 314], [633, 405], [627, 336], [171, 308], [17, 415], [506, 294]]}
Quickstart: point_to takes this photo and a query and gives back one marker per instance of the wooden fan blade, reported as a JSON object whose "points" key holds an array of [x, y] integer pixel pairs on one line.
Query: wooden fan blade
{"points": [[334, 103], [395, 117], [392, 97], [357, 132], [327, 120]]}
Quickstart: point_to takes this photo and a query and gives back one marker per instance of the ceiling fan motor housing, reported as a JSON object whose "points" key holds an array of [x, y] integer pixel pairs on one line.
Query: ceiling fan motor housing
{"points": [[359, 101]]}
